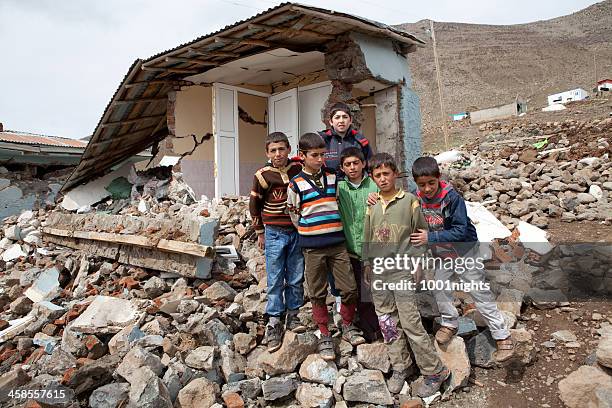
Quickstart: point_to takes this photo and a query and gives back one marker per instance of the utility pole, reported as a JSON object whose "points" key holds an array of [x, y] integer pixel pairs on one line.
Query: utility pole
{"points": [[595, 68], [435, 51]]}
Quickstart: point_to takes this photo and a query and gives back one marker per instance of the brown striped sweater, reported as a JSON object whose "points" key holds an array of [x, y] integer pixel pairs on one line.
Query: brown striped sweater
{"points": [[268, 201]]}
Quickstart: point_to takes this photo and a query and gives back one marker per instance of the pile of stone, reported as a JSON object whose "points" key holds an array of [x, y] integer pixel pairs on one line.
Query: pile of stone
{"points": [[568, 176]]}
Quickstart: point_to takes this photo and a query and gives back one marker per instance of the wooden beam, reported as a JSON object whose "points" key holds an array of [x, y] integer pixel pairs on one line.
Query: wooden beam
{"points": [[243, 41], [140, 100], [191, 61], [131, 121], [167, 245], [168, 69], [159, 82], [214, 53], [123, 136], [292, 31]]}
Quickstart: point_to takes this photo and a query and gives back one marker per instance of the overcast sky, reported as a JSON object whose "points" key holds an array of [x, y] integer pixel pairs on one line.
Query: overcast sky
{"points": [[62, 60]]}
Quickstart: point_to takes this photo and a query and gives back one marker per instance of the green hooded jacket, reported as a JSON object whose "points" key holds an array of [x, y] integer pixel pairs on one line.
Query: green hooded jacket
{"points": [[352, 202]]}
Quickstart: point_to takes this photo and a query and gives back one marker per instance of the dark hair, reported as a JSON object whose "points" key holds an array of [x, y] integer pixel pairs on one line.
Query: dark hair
{"points": [[382, 159], [351, 151], [340, 106], [310, 141], [277, 137], [425, 166]]}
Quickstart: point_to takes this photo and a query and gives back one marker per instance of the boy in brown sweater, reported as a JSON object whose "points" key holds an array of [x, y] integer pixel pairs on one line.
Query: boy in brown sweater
{"points": [[277, 235]]}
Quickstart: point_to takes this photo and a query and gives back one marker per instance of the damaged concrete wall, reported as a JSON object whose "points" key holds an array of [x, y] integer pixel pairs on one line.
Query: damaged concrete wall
{"points": [[252, 132], [193, 116]]}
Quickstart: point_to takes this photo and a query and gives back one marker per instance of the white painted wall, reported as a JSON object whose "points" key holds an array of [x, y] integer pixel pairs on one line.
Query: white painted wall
{"points": [[577, 94]]}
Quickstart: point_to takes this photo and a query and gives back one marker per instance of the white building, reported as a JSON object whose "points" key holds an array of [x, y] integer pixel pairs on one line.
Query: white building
{"points": [[604, 85], [577, 94]]}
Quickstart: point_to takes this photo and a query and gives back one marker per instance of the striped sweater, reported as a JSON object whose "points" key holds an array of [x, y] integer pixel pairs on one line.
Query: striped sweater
{"points": [[314, 211], [268, 200]]}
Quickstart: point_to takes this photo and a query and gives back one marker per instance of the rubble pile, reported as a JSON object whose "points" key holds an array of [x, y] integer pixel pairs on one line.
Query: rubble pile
{"points": [[533, 172]]}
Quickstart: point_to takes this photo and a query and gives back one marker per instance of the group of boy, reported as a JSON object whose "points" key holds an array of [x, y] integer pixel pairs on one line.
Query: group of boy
{"points": [[324, 214]]}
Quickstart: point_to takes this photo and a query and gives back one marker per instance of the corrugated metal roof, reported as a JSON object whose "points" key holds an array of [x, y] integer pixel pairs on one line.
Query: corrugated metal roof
{"points": [[134, 119], [12, 136]]}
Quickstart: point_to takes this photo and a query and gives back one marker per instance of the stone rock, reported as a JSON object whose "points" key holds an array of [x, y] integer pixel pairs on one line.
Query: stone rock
{"points": [[233, 400], [314, 396], [248, 389], [518, 208], [455, 357], [12, 380], [510, 300], [525, 350], [604, 351], [367, 386], [580, 388], [155, 286], [106, 314], [137, 359], [218, 291], [564, 336], [217, 333], [187, 306], [120, 342], [112, 395], [585, 198], [480, 350], [148, 391], [546, 299], [315, 369], [374, 356], [13, 232], [232, 364], [4, 183], [293, 351], [202, 358], [200, 392], [244, 342], [21, 306], [93, 375], [13, 252], [596, 191], [277, 388]]}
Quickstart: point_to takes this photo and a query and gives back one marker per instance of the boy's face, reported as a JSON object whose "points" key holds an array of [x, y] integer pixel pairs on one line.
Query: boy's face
{"points": [[313, 159], [278, 153], [353, 168], [428, 185], [340, 121], [384, 177]]}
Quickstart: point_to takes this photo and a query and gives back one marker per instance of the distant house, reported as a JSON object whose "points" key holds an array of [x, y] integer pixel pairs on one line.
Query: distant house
{"points": [[459, 116], [577, 94], [499, 112], [604, 85]]}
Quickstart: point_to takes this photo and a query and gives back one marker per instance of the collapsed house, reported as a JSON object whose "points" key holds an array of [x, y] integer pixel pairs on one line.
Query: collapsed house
{"points": [[213, 100]]}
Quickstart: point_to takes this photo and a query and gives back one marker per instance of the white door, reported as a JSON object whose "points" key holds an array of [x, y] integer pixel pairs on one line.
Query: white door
{"points": [[283, 109], [225, 130], [311, 100]]}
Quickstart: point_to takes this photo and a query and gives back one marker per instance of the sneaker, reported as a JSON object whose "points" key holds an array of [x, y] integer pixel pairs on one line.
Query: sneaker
{"points": [[293, 323], [430, 384], [326, 348], [396, 382], [445, 334], [352, 334], [274, 336]]}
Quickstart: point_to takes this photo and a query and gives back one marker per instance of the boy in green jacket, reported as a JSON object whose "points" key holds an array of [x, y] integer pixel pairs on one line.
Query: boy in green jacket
{"points": [[353, 192]]}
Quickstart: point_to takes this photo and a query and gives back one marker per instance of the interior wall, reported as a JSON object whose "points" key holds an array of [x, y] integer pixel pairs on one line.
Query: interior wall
{"points": [[193, 116], [252, 132]]}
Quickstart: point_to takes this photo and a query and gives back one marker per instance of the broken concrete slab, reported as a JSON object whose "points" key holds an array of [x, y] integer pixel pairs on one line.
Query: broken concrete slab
{"points": [[112, 395], [148, 391], [120, 342], [16, 327], [13, 252], [209, 230], [137, 359], [534, 238], [218, 291], [46, 287], [106, 315]]}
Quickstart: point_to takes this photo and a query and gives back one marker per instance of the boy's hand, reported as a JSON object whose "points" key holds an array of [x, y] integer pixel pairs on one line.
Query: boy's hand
{"points": [[419, 238], [261, 241], [372, 199], [367, 271]]}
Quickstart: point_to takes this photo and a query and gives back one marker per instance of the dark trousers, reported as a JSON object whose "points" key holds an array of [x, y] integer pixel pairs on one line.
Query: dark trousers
{"points": [[368, 320]]}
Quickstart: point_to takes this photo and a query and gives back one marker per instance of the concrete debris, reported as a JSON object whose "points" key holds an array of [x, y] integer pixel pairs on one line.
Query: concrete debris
{"points": [[106, 315], [46, 287], [12, 253], [314, 396], [317, 370], [454, 356], [374, 356], [581, 388], [367, 386], [111, 395]]}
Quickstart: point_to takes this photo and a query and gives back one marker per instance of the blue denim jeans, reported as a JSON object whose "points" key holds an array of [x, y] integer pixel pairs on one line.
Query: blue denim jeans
{"points": [[284, 270]]}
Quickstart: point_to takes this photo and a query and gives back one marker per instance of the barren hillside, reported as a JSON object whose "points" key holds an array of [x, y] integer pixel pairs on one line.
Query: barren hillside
{"points": [[486, 65]]}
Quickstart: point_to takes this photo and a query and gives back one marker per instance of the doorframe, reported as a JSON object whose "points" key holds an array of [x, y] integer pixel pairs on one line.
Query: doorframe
{"points": [[272, 113]]}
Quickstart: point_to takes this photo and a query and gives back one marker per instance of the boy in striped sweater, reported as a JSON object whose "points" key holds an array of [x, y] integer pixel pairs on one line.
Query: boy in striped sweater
{"points": [[277, 235], [311, 201]]}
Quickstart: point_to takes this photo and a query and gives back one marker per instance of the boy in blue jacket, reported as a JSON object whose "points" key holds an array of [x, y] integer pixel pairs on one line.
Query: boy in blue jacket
{"points": [[452, 236]]}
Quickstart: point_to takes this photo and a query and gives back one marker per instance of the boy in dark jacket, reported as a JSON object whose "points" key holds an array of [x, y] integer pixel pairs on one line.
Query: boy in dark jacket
{"points": [[451, 236]]}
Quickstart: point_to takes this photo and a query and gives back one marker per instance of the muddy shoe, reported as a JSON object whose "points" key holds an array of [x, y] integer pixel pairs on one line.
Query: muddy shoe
{"points": [[430, 384], [445, 334], [396, 382], [505, 350], [274, 337], [293, 323], [352, 334], [326, 348]]}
